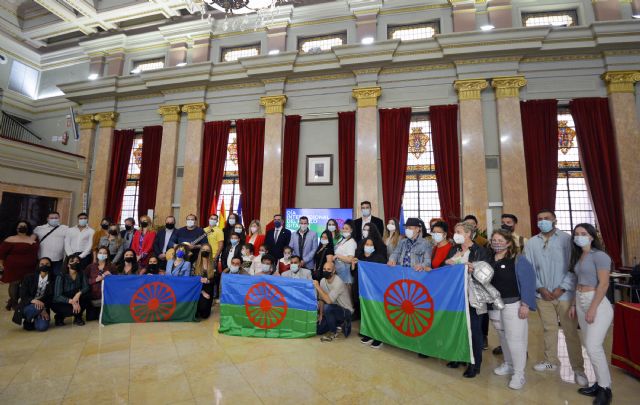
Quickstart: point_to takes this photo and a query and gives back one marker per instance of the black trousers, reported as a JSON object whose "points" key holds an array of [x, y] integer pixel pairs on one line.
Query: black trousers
{"points": [[204, 307], [64, 310], [477, 338], [93, 313]]}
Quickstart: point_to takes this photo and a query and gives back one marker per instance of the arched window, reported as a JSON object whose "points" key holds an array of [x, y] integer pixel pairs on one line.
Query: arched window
{"points": [[131, 191], [230, 190]]}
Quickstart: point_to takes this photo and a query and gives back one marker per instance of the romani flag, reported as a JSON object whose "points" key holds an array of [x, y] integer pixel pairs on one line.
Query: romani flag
{"points": [[149, 298], [267, 306], [425, 312]]}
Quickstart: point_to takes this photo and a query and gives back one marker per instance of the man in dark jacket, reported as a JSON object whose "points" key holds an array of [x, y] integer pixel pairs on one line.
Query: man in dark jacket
{"points": [[278, 238], [358, 224], [36, 295]]}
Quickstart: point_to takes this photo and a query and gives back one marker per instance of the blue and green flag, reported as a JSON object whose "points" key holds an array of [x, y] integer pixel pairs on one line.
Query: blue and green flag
{"points": [[425, 312], [267, 306], [149, 298]]}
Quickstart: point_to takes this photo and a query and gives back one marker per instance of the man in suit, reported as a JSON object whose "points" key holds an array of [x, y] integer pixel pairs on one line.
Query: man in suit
{"points": [[358, 224], [165, 239], [304, 243], [278, 238]]}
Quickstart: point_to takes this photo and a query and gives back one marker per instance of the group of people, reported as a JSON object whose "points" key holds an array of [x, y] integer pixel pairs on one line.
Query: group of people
{"points": [[563, 277]]}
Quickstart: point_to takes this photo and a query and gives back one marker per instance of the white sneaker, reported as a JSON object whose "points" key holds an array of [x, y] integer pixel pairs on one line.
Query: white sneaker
{"points": [[581, 379], [517, 382], [503, 369], [545, 366]]}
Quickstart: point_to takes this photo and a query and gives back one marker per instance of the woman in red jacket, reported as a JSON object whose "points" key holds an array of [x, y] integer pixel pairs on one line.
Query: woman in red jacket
{"points": [[255, 236], [442, 246], [142, 242], [18, 257]]}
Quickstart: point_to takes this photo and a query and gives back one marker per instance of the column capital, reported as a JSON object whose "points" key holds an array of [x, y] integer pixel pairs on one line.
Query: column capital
{"points": [[107, 119], [273, 104], [508, 86], [85, 121], [470, 89], [195, 111], [366, 96], [621, 81], [170, 113]]}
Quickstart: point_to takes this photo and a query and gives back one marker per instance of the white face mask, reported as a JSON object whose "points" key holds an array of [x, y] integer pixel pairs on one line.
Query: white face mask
{"points": [[234, 269], [54, 222], [287, 255], [232, 221], [369, 249], [324, 241], [82, 222], [331, 228], [366, 212], [409, 233], [261, 253], [391, 227], [304, 227], [582, 240], [191, 223], [437, 237], [237, 230], [254, 229], [365, 233], [458, 238], [346, 235], [294, 267], [266, 268], [213, 222], [102, 257]]}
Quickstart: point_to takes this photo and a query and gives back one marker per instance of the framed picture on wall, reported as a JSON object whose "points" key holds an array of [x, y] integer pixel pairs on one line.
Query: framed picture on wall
{"points": [[319, 170]]}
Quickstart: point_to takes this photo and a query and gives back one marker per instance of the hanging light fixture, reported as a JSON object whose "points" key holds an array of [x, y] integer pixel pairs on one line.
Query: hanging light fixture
{"points": [[263, 9]]}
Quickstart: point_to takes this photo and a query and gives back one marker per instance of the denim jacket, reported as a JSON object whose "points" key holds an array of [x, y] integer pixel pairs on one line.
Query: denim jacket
{"points": [[420, 252]]}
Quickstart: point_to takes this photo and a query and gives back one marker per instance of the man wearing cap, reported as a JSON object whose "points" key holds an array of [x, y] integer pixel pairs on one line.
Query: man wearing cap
{"points": [[413, 251]]}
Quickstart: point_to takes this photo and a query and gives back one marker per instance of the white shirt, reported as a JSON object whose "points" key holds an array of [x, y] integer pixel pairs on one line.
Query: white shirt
{"points": [[167, 238], [53, 245], [42, 285], [276, 234], [79, 240], [338, 292], [346, 247], [304, 274]]}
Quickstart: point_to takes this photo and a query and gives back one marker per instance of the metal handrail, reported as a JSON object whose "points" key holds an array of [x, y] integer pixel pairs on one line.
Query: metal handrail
{"points": [[11, 128]]}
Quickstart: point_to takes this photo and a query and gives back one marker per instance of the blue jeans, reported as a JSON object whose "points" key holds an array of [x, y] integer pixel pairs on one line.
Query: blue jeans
{"points": [[332, 316], [343, 270], [32, 317]]}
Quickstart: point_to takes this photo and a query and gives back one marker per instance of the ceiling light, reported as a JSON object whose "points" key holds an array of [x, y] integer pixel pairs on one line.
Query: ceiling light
{"points": [[93, 76], [136, 71], [487, 27], [181, 64], [274, 51], [367, 40], [636, 15]]}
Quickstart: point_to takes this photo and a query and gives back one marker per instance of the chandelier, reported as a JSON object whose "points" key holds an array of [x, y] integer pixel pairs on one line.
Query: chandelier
{"points": [[263, 9]]}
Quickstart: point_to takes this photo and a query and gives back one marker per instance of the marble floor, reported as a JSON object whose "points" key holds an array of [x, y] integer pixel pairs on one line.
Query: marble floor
{"points": [[186, 363]]}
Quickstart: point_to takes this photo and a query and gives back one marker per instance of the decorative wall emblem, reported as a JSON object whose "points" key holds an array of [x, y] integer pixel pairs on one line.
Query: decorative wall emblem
{"points": [[566, 136], [418, 141]]}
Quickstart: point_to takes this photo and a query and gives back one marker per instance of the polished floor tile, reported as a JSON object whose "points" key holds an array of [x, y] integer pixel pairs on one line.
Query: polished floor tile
{"points": [[191, 363]]}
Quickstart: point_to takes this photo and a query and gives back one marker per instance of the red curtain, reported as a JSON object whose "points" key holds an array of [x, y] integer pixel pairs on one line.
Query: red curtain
{"points": [[394, 146], [290, 162], [120, 155], [444, 135], [346, 156], [214, 154], [148, 185], [599, 159], [540, 137], [250, 134]]}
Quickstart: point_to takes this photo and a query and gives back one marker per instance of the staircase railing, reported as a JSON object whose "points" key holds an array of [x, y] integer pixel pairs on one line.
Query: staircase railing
{"points": [[11, 128]]}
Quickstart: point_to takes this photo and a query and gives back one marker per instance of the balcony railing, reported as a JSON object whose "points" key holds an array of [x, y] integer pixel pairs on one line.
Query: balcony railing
{"points": [[10, 128]]}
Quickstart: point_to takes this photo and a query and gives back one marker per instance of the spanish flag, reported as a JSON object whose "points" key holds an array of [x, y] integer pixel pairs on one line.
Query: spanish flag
{"points": [[222, 219]]}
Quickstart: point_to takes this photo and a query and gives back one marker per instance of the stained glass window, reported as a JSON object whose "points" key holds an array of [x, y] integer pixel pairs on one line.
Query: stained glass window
{"points": [[130, 198], [573, 203], [413, 31], [420, 190], [231, 54], [230, 190], [323, 43]]}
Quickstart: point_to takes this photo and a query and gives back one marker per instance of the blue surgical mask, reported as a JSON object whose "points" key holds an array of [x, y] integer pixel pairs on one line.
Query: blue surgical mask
{"points": [[180, 254], [582, 240], [54, 222], [545, 225], [369, 249], [294, 267], [82, 222], [235, 241], [277, 224], [234, 269]]}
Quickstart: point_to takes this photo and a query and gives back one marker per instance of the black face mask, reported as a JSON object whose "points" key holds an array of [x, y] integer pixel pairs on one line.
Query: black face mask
{"points": [[153, 268], [113, 232], [44, 269], [327, 274], [22, 229], [205, 254], [128, 227], [169, 226], [507, 227], [128, 259], [144, 224], [104, 226], [74, 266]]}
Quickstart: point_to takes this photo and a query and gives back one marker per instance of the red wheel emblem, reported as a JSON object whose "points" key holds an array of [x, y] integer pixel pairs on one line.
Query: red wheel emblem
{"points": [[409, 307], [153, 302], [265, 305]]}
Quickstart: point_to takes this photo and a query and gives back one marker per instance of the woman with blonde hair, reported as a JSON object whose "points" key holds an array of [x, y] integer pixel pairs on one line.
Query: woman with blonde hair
{"points": [[391, 235], [255, 236], [205, 269], [143, 238]]}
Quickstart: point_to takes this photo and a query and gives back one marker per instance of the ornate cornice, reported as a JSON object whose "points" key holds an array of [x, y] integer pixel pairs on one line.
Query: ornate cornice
{"points": [[85, 121], [170, 113], [107, 119], [195, 111], [273, 104], [470, 89], [508, 86], [367, 96], [622, 81]]}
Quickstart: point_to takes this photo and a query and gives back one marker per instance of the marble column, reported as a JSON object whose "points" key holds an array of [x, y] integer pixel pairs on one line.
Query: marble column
{"points": [[606, 10], [277, 37], [96, 64], [85, 148], [168, 156], [513, 170], [201, 49], [101, 166], [499, 12], [115, 62], [177, 53], [622, 103], [190, 199], [272, 164], [367, 143], [464, 16], [475, 198]]}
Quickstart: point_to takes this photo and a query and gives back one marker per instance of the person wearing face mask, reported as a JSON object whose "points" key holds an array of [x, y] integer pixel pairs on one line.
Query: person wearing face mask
{"points": [[334, 305], [229, 227], [266, 267], [154, 267], [234, 249], [370, 249], [285, 262], [441, 245], [215, 236], [71, 293], [165, 239], [205, 268], [18, 257], [296, 270], [96, 272], [392, 236], [179, 266], [515, 279], [324, 253], [79, 240], [345, 251], [592, 267], [255, 235], [366, 218], [477, 238], [190, 233], [51, 238], [247, 256], [305, 243], [127, 233], [99, 233], [508, 222], [277, 238], [334, 228], [114, 244], [550, 253], [36, 295], [413, 251], [143, 240], [235, 267], [129, 265]]}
